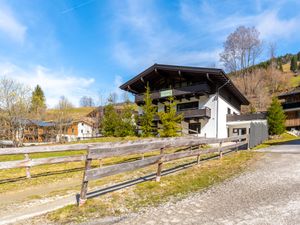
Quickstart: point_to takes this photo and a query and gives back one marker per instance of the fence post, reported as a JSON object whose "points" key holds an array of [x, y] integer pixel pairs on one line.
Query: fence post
{"points": [[88, 163], [159, 166], [220, 150], [198, 156], [28, 175], [248, 141], [100, 162]]}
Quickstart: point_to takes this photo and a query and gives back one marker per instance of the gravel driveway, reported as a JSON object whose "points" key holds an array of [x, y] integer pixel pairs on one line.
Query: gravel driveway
{"points": [[269, 193]]}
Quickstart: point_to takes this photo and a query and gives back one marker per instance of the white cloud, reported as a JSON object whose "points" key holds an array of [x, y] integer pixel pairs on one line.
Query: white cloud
{"points": [[54, 83], [10, 26], [268, 22], [151, 40]]}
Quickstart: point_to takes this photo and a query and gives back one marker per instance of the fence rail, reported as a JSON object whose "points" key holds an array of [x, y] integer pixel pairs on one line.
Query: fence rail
{"points": [[192, 148]]}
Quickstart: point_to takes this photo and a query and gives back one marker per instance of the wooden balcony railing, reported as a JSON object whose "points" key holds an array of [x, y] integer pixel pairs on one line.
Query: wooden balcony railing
{"points": [[193, 113], [292, 122], [200, 88]]}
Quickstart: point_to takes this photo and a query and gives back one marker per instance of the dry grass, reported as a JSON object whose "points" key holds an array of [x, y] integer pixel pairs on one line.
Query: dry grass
{"points": [[152, 193], [75, 113], [277, 140]]}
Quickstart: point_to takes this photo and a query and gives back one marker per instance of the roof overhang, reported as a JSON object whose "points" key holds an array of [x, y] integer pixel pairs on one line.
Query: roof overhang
{"points": [[213, 74]]}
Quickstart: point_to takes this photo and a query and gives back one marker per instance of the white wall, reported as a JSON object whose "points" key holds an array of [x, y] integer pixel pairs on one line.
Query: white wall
{"points": [[84, 130], [222, 121], [208, 126]]}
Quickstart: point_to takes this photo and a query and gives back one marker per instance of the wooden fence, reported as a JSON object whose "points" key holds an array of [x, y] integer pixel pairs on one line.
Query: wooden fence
{"points": [[28, 162], [192, 148]]}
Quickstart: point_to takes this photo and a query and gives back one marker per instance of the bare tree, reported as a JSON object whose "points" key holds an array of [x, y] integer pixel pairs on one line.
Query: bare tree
{"points": [[64, 119], [241, 50], [87, 101], [14, 109], [112, 98]]}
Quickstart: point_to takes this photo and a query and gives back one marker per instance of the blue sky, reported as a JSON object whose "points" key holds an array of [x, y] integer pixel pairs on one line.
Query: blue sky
{"points": [[89, 47]]}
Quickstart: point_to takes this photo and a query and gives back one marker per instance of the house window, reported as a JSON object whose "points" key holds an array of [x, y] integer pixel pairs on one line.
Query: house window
{"points": [[82, 131], [194, 128], [82, 124], [228, 111], [186, 106]]}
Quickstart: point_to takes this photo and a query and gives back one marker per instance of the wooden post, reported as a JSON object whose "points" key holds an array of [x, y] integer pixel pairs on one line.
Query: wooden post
{"points": [[28, 175], [198, 156], [248, 141], [220, 150], [159, 166], [100, 162], [88, 163]]}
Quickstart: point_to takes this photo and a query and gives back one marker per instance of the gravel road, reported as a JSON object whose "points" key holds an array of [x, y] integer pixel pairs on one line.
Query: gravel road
{"points": [[269, 193]]}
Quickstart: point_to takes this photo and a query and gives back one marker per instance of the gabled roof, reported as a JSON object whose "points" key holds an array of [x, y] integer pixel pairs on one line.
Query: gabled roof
{"points": [[216, 75], [293, 92]]}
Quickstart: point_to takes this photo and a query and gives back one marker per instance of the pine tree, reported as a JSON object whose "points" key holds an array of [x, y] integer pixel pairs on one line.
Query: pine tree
{"points": [[126, 125], [298, 56], [170, 120], [276, 118], [149, 111], [110, 121], [294, 64], [38, 100]]}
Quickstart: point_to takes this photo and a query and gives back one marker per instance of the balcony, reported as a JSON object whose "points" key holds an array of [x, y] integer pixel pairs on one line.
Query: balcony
{"points": [[193, 113], [292, 122], [163, 94], [291, 105]]}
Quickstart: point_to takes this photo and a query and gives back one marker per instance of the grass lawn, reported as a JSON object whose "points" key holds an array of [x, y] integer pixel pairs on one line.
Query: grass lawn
{"points": [[151, 193], [15, 179], [275, 141]]}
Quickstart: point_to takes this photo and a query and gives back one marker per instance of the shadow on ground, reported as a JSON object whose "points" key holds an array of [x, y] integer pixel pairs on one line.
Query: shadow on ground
{"points": [[149, 177]]}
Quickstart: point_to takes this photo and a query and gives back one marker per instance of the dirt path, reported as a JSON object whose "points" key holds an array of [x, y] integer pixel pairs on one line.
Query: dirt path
{"points": [[269, 193], [30, 202]]}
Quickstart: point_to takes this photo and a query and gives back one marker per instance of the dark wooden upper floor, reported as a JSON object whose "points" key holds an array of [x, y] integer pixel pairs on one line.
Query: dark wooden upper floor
{"points": [[182, 81]]}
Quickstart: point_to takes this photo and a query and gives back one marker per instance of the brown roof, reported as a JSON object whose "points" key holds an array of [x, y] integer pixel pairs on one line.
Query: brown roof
{"points": [[136, 84]]}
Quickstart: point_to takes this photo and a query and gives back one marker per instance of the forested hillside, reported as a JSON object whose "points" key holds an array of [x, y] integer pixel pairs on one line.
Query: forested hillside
{"points": [[259, 82], [268, 79]]}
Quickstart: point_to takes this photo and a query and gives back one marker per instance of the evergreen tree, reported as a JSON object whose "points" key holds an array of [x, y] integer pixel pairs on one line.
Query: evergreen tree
{"points": [[149, 111], [294, 64], [38, 100], [276, 118], [279, 64], [170, 120], [298, 56], [110, 121], [126, 125]]}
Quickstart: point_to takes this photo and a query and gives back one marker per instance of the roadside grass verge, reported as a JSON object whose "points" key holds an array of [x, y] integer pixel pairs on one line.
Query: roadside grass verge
{"points": [[151, 193], [285, 137], [69, 173]]}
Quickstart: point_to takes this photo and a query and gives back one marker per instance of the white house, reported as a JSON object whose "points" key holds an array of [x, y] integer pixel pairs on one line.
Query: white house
{"points": [[80, 129], [205, 96]]}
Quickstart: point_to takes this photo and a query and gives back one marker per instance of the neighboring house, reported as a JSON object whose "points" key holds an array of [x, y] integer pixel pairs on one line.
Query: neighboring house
{"points": [[205, 96], [80, 129], [36, 131], [291, 107]]}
